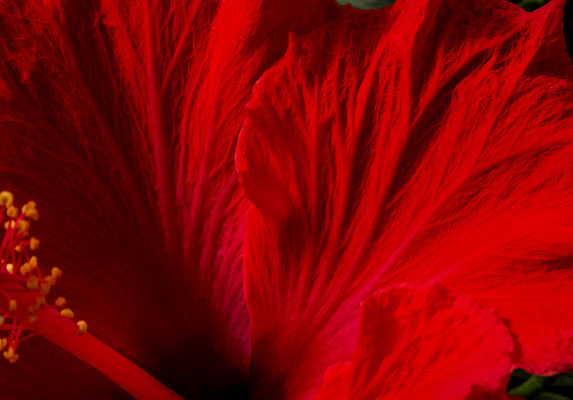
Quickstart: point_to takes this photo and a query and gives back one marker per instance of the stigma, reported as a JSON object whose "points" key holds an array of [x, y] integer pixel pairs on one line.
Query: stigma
{"points": [[23, 286]]}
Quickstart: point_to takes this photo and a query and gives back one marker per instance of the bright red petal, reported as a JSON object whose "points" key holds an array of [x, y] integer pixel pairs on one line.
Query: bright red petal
{"points": [[422, 343], [425, 141], [120, 119]]}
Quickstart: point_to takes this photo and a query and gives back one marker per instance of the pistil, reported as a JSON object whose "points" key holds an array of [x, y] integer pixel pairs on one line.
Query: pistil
{"points": [[24, 311], [22, 286]]}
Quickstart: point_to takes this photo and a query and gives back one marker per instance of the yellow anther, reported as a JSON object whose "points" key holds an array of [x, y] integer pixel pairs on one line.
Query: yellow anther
{"points": [[34, 244], [2, 319], [30, 211], [45, 288], [10, 268], [3, 343], [60, 302], [50, 280], [28, 206], [40, 302], [8, 354], [25, 268], [56, 273], [18, 247], [10, 225], [82, 327], [11, 355], [12, 305], [32, 314], [33, 283], [34, 262], [6, 198], [12, 212], [32, 214], [23, 227], [66, 312]]}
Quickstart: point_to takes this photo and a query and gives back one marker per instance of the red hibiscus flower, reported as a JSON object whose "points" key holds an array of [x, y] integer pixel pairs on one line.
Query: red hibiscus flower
{"points": [[394, 158]]}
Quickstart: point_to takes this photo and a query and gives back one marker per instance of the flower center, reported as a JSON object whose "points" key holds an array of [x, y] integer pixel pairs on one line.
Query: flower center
{"points": [[23, 287]]}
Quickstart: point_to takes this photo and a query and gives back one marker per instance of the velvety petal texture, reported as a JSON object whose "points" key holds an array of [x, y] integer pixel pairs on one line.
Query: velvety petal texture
{"points": [[409, 347], [120, 119], [394, 146]]}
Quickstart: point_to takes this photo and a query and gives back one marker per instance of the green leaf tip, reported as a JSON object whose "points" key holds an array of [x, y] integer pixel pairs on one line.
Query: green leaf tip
{"points": [[532, 385], [366, 4]]}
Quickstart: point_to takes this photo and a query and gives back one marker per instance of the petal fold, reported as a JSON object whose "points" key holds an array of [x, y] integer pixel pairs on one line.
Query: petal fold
{"points": [[423, 342]]}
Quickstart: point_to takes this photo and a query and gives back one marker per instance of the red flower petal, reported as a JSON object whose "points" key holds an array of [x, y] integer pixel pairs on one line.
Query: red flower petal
{"points": [[397, 146], [120, 119], [422, 343]]}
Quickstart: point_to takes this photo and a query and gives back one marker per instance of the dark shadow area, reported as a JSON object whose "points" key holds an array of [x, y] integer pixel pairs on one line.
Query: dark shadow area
{"points": [[535, 387]]}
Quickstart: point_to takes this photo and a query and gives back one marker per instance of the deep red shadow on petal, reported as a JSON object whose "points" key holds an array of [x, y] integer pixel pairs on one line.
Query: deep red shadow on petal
{"points": [[120, 119]]}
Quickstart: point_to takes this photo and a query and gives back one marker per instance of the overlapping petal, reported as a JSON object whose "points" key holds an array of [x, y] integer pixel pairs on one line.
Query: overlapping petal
{"points": [[395, 146], [120, 119], [410, 343]]}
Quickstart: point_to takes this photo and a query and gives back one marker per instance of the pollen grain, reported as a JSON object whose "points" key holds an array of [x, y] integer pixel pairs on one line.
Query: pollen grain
{"points": [[23, 288]]}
